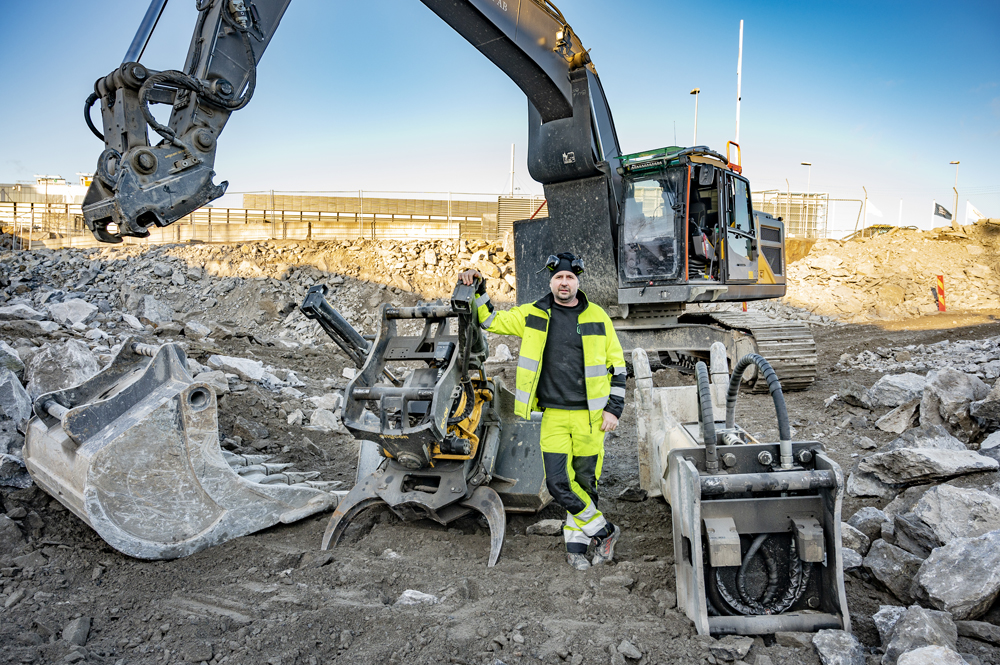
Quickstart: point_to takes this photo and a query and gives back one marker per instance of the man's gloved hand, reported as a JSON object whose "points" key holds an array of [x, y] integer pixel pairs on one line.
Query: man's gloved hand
{"points": [[610, 423]]}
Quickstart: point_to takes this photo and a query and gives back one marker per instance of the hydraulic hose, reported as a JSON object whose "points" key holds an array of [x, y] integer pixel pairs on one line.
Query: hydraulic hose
{"points": [[773, 387], [742, 601], [707, 417], [86, 114]]}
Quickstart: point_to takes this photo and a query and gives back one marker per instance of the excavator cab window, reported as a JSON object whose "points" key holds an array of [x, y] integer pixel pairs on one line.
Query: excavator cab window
{"points": [[703, 223], [653, 222]]}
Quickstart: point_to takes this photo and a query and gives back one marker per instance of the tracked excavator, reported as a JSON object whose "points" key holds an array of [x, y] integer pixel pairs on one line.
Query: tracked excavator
{"points": [[660, 230]]}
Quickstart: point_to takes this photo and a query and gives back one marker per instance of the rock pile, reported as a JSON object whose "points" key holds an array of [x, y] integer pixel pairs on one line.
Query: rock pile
{"points": [[980, 357], [936, 545], [890, 276]]}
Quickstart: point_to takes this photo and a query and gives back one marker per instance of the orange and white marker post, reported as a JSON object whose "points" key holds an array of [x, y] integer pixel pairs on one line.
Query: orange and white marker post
{"points": [[744, 305], [940, 293]]}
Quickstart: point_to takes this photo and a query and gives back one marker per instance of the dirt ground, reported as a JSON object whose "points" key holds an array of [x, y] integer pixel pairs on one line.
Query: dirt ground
{"points": [[274, 597]]}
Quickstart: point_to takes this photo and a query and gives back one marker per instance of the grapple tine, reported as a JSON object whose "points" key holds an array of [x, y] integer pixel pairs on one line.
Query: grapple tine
{"points": [[487, 501], [361, 497]]}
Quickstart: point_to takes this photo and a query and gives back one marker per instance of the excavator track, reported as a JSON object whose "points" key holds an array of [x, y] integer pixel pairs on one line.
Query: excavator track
{"points": [[789, 347]]}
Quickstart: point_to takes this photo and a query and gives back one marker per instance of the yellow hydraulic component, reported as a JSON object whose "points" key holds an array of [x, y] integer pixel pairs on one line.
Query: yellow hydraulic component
{"points": [[466, 429]]}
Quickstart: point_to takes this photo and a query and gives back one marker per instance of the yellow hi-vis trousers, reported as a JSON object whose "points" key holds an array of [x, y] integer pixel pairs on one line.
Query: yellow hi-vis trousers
{"points": [[573, 451]]}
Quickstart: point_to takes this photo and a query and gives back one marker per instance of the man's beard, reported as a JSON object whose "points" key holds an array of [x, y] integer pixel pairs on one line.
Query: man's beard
{"points": [[568, 298]]}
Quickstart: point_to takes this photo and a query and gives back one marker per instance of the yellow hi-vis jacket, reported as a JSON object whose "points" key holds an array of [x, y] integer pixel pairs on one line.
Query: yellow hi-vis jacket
{"points": [[603, 359]]}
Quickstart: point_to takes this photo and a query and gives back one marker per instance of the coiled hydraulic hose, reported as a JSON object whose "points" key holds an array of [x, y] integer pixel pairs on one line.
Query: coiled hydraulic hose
{"points": [[707, 417], [744, 603], [773, 387]]}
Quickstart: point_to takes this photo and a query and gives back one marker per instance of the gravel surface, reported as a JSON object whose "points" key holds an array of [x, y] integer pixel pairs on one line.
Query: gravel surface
{"points": [[274, 597]]}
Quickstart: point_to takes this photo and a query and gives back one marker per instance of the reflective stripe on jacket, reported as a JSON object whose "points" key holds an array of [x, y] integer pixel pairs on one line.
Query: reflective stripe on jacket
{"points": [[603, 359]]}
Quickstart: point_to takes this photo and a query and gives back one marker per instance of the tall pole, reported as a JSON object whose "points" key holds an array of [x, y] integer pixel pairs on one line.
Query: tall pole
{"points": [[805, 207], [954, 210], [788, 201], [695, 93], [900, 222], [512, 169], [739, 83]]}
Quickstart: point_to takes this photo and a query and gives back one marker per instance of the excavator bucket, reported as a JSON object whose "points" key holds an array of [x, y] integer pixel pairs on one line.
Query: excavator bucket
{"points": [[134, 452], [756, 526]]}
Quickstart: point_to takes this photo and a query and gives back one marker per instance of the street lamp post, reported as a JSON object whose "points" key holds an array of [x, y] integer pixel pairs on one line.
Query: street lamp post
{"points": [[954, 211], [695, 93], [805, 208]]}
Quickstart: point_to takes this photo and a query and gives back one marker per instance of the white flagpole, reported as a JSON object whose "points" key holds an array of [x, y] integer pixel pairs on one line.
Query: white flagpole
{"points": [[739, 83]]}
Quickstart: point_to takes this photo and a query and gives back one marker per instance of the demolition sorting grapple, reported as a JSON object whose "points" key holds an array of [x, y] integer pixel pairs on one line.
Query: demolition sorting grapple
{"points": [[756, 526], [134, 452], [442, 440]]}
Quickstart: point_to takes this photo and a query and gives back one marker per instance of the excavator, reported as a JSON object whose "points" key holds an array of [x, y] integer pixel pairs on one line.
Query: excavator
{"points": [[661, 230]]}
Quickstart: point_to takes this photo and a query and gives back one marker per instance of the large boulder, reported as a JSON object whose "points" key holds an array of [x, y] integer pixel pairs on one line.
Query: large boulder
{"points": [[932, 655], [920, 628], [987, 410], [246, 369], [869, 520], [153, 312], [60, 366], [20, 313], [958, 512], [897, 389], [9, 359], [900, 419], [894, 567], [854, 539], [885, 621], [947, 399], [15, 404], [941, 514], [72, 311], [927, 436], [962, 577], [861, 483], [911, 466], [838, 647]]}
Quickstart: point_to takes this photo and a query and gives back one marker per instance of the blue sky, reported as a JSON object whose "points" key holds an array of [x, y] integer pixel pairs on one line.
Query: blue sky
{"points": [[382, 95]]}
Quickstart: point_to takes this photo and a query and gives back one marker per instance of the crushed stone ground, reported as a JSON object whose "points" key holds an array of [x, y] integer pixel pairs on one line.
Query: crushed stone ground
{"points": [[274, 597]]}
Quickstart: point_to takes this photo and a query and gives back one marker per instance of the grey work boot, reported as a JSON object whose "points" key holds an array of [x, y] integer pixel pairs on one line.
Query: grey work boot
{"points": [[605, 550], [578, 561]]}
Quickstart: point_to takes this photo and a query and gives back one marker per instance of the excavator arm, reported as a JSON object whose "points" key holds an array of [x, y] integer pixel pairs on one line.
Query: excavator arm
{"points": [[138, 184]]}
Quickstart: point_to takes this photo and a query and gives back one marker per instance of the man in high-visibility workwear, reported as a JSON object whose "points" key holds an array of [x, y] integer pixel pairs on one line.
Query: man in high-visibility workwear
{"points": [[572, 368]]}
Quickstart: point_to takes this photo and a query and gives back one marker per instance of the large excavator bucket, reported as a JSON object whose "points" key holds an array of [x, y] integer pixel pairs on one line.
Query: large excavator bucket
{"points": [[756, 526], [134, 452]]}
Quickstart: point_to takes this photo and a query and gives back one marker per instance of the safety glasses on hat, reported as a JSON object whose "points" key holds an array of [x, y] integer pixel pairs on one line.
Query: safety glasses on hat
{"points": [[575, 263]]}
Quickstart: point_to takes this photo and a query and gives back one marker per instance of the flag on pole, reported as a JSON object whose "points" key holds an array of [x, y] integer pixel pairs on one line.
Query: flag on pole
{"points": [[870, 209], [972, 214], [941, 211]]}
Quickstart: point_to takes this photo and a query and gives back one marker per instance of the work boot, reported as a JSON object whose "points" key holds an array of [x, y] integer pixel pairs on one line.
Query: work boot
{"points": [[578, 561], [605, 550]]}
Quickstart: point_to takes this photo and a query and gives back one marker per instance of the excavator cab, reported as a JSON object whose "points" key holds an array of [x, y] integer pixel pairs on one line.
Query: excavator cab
{"points": [[685, 220]]}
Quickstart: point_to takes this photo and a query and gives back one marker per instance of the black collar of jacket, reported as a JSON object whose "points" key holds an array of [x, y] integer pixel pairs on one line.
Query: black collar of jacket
{"points": [[545, 303]]}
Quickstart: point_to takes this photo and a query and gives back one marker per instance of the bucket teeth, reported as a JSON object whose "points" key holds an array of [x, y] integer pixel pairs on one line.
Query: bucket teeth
{"points": [[236, 460], [360, 497], [325, 485], [487, 501]]}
